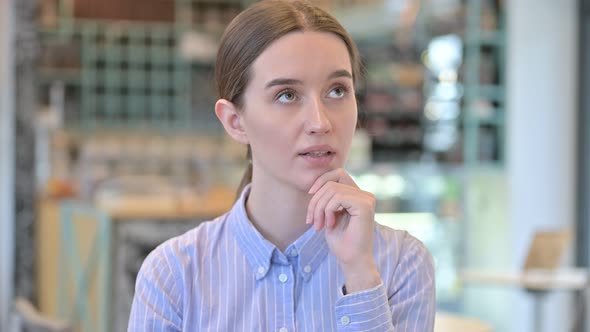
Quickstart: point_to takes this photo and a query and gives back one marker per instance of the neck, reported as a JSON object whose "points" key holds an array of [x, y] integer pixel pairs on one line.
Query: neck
{"points": [[278, 212]]}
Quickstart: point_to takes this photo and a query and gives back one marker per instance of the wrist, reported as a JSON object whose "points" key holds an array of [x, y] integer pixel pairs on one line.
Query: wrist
{"points": [[360, 277]]}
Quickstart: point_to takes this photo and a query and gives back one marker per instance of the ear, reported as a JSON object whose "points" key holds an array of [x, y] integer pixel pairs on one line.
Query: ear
{"points": [[229, 116]]}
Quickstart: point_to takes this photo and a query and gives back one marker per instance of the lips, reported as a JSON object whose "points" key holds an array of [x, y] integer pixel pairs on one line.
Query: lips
{"points": [[318, 156], [317, 151]]}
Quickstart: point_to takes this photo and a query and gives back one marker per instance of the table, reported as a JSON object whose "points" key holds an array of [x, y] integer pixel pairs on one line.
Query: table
{"points": [[537, 282], [448, 322]]}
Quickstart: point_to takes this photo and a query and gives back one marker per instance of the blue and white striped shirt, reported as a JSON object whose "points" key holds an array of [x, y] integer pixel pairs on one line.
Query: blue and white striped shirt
{"points": [[224, 276]]}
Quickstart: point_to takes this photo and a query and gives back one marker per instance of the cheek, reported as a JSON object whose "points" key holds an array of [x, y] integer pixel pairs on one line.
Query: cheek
{"points": [[269, 137], [345, 123]]}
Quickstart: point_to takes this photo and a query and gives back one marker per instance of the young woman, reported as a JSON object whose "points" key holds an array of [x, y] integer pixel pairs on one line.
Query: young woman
{"points": [[299, 250]]}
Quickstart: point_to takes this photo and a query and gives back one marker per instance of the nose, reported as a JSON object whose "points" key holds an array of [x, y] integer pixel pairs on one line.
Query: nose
{"points": [[317, 121]]}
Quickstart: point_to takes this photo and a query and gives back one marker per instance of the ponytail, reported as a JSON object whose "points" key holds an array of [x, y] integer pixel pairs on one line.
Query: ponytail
{"points": [[247, 178]]}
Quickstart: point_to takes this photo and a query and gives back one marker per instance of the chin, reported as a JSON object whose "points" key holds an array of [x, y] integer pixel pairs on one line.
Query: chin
{"points": [[305, 184], [309, 179]]}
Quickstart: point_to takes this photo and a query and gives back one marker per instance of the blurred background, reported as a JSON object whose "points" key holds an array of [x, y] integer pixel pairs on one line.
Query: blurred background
{"points": [[475, 118]]}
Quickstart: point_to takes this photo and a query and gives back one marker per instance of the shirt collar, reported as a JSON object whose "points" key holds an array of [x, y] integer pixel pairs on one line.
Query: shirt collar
{"points": [[311, 247], [255, 247]]}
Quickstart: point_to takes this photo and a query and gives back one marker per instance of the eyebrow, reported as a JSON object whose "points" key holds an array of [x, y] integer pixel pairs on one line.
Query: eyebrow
{"points": [[291, 81], [283, 81], [340, 73]]}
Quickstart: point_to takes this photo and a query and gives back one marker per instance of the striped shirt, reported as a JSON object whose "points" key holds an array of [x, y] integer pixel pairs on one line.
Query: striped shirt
{"points": [[224, 276]]}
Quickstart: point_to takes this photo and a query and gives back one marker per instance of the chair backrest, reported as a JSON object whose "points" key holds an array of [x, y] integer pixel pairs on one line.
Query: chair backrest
{"points": [[447, 322], [30, 320], [547, 249], [84, 294]]}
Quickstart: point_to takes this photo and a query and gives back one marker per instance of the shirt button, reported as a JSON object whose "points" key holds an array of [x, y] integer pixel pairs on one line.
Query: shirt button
{"points": [[283, 329], [345, 320], [261, 270], [307, 269], [283, 278], [293, 252]]}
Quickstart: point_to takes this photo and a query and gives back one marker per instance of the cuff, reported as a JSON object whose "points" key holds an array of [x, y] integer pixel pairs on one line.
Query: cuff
{"points": [[366, 310]]}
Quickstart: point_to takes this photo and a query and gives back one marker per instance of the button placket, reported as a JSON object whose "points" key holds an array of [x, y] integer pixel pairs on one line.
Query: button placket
{"points": [[284, 280]]}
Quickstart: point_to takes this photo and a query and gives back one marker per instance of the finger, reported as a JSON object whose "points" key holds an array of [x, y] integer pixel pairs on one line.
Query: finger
{"points": [[335, 214], [332, 214], [325, 195], [330, 219], [309, 219], [337, 175], [339, 204], [311, 207]]}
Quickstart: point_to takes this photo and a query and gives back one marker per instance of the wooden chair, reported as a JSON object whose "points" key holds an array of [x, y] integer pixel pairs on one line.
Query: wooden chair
{"points": [[30, 320], [84, 267]]}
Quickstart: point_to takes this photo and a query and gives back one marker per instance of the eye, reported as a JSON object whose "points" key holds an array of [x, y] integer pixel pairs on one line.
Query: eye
{"points": [[286, 96], [338, 92]]}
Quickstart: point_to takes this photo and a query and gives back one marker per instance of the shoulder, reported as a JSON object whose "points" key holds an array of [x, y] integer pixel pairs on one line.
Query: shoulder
{"points": [[407, 271], [166, 275], [402, 251], [180, 254], [399, 240]]}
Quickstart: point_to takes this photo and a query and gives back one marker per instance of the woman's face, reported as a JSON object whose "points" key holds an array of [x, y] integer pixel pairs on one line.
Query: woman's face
{"points": [[300, 110]]}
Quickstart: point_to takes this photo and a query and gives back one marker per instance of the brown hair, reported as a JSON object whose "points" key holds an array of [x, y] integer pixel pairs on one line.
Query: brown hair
{"points": [[253, 30]]}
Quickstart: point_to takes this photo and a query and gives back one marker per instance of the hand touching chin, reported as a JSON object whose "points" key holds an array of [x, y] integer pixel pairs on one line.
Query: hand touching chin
{"points": [[347, 214]]}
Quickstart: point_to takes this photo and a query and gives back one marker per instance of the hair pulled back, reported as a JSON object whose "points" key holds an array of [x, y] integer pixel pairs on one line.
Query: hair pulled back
{"points": [[253, 30]]}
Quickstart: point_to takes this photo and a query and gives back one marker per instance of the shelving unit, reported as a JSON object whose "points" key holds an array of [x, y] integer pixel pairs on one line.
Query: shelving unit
{"points": [[484, 99], [132, 75], [122, 74], [132, 78], [480, 126]]}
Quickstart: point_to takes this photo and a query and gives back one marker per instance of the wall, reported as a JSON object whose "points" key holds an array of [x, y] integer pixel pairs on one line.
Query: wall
{"points": [[6, 163], [542, 99]]}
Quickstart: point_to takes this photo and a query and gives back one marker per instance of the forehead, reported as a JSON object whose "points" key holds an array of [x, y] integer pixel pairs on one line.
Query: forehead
{"points": [[302, 54]]}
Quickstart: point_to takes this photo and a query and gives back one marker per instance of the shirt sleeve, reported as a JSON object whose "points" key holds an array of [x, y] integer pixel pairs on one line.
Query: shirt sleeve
{"points": [[364, 311], [158, 298], [408, 305]]}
